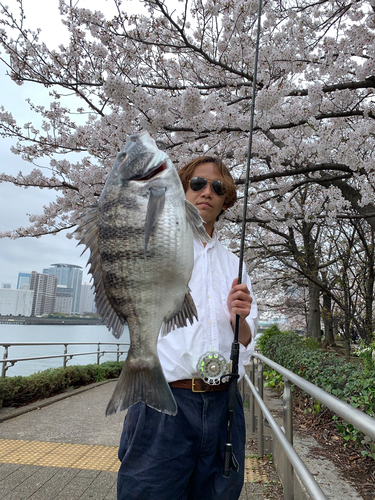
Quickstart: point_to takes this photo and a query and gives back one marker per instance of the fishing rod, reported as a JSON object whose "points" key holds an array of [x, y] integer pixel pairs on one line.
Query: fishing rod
{"points": [[230, 461]]}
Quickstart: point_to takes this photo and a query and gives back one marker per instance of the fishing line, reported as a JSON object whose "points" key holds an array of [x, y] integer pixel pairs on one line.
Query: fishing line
{"points": [[230, 461]]}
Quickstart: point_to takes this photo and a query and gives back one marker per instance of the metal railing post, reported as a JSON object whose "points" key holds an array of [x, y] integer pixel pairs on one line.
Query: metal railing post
{"points": [[241, 389], [260, 413], [252, 400], [5, 356], [65, 355], [98, 355], [288, 430], [288, 410], [118, 353]]}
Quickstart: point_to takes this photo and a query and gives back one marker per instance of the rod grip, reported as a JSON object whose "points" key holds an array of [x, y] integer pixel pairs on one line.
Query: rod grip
{"points": [[228, 453]]}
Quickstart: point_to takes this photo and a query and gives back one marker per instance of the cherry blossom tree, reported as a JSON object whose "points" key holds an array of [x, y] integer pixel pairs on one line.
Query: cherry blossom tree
{"points": [[184, 72]]}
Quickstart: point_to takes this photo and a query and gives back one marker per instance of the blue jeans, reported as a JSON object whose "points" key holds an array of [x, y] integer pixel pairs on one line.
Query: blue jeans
{"points": [[181, 457]]}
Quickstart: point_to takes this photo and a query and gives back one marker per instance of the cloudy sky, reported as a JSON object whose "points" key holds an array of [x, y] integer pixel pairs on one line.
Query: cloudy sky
{"points": [[31, 254]]}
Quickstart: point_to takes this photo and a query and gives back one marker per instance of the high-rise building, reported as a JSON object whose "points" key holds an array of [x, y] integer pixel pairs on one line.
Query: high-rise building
{"points": [[23, 279], [64, 299], [44, 287], [87, 299], [16, 302], [70, 276]]}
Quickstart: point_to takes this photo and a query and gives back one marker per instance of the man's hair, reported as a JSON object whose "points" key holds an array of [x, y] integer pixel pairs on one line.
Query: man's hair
{"points": [[187, 171]]}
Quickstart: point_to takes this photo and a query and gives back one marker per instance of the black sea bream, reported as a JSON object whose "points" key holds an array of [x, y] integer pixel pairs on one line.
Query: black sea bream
{"points": [[140, 237]]}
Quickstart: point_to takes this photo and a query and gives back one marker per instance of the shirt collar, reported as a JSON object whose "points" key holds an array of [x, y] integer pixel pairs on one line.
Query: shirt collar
{"points": [[211, 244]]}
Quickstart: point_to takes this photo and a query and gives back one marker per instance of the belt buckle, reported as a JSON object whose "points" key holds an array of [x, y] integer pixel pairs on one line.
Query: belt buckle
{"points": [[193, 385]]}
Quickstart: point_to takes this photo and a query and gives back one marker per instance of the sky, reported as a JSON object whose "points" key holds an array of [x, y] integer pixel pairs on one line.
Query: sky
{"points": [[33, 254]]}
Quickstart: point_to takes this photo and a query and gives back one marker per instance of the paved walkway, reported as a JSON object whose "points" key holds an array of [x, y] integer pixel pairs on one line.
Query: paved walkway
{"points": [[64, 448]]}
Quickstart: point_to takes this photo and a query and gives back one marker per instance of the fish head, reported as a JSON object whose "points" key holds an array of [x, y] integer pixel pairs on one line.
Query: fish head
{"points": [[139, 160]]}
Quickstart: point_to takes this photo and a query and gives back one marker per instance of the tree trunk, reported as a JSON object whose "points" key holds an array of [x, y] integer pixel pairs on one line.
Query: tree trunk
{"points": [[327, 318], [347, 339], [367, 334], [313, 325]]}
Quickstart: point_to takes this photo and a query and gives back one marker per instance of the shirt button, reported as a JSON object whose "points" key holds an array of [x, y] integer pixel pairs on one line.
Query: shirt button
{"points": [[208, 296], [211, 321]]}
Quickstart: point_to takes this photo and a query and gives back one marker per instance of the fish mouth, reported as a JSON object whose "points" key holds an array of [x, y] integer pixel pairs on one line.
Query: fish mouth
{"points": [[151, 173]]}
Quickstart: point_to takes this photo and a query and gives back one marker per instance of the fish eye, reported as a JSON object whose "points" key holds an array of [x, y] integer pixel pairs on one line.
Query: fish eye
{"points": [[121, 156]]}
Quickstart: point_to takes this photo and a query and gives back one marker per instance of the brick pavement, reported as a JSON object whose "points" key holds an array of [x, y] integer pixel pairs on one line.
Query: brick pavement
{"points": [[64, 448]]}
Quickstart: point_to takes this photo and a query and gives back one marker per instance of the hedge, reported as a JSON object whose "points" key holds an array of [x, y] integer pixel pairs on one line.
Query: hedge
{"points": [[18, 391]]}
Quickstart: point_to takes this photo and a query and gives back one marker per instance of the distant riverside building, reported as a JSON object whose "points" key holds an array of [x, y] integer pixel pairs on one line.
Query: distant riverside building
{"points": [[16, 302], [64, 299], [44, 287], [70, 276], [6, 285], [23, 279], [87, 299]]}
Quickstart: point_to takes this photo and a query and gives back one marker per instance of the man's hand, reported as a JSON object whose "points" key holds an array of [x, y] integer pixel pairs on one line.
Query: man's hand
{"points": [[239, 302]]}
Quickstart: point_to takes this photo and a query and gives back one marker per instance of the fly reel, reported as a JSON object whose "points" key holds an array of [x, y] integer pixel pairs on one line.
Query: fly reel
{"points": [[211, 367]]}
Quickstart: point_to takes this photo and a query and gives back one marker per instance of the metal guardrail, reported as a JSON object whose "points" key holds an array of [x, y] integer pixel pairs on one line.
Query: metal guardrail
{"points": [[8, 362], [358, 419]]}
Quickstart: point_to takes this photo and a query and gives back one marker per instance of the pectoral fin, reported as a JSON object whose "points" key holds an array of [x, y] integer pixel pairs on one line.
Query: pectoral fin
{"points": [[188, 312], [154, 209], [196, 222]]}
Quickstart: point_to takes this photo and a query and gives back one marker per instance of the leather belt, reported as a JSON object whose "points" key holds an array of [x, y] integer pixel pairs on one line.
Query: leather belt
{"points": [[197, 385]]}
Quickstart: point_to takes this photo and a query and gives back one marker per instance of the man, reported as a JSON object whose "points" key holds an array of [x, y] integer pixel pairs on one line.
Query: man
{"points": [[182, 457]]}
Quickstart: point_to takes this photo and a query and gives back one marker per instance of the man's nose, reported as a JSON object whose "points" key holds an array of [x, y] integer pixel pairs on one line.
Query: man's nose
{"points": [[207, 190]]}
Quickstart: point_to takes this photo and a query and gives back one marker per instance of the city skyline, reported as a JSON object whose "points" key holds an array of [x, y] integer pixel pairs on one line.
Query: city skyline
{"points": [[20, 280], [40, 293]]}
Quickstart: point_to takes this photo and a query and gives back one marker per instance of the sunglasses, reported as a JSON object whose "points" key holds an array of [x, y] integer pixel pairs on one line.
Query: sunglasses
{"points": [[199, 183]]}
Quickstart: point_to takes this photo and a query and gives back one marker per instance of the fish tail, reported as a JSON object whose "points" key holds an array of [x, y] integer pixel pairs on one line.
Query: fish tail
{"points": [[142, 380]]}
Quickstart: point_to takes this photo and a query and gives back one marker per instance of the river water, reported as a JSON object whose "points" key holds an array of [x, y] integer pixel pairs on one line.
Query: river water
{"points": [[55, 333]]}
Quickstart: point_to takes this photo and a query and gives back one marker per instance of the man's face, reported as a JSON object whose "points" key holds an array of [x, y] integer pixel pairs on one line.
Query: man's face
{"points": [[207, 201]]}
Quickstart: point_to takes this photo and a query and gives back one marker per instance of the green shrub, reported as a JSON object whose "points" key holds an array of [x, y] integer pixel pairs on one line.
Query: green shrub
{"points": [[18, 391], [367, 353], [263, 339], [311, 343], [273, 379], [350, 382]]}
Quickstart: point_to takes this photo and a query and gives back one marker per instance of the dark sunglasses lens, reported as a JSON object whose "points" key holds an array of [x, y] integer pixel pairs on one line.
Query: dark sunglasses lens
{"points": [[198, 183], [218, 188]]}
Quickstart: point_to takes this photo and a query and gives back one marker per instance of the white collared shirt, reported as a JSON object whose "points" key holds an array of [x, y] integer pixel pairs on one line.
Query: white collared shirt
{"points": [[214, 270]]}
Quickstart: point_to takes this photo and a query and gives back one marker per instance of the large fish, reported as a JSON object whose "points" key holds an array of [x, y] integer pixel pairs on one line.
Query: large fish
{"points": [[140, 237]]}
